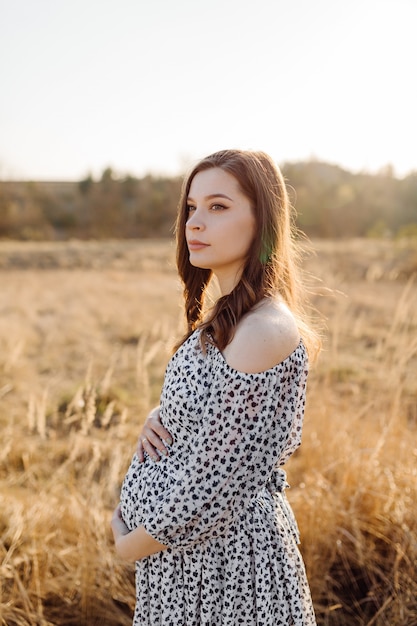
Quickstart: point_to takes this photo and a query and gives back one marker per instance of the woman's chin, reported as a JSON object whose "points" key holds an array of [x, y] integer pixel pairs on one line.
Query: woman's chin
{"points": [[198, 263]]}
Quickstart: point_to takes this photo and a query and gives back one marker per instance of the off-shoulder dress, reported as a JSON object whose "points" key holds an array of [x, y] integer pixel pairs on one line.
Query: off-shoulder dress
{"points": [[218, 500]]}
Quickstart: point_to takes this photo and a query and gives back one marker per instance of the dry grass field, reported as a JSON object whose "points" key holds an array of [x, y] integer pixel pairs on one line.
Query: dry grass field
{"points": [[85, 332]]}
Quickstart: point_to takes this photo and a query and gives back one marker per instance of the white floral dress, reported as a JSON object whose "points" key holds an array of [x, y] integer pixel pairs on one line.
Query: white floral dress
{"points": [[218, 500]]}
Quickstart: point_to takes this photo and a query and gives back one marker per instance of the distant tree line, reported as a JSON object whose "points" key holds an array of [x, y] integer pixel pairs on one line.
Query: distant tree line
{"points": [[330, 202]]}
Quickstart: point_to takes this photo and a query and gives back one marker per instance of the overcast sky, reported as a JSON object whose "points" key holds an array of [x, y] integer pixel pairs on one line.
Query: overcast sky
{"points": [[152, 86]]}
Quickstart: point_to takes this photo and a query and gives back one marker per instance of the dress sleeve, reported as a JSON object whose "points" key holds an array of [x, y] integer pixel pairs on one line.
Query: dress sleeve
{"points": [[251, 424]]}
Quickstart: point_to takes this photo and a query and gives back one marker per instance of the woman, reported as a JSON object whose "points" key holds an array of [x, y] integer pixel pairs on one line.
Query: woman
{"points": [[208, 524]]}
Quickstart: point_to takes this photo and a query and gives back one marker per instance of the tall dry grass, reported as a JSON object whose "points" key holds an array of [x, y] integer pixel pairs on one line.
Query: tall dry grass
{"points": [[82, 353], [356, 473]]}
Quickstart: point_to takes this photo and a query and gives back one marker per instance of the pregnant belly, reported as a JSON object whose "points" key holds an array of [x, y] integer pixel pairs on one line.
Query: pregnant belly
{"points": [[147, 480]]}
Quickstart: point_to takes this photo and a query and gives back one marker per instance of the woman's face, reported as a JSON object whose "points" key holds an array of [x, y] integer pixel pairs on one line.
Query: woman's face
{"points": [[220, 226]]}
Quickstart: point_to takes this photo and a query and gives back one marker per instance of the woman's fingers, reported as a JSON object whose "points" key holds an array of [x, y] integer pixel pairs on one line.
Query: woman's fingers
{"points": [[156, 431], [152, 448], [117, 524], [154, 438], [153, 444], [140, 451]]}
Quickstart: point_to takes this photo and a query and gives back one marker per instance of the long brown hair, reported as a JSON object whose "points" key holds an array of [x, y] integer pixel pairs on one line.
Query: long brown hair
{"points": [[271, 266]]}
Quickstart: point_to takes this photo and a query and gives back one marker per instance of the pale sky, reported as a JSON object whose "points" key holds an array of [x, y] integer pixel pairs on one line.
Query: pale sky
{"points": [[151, 86]]}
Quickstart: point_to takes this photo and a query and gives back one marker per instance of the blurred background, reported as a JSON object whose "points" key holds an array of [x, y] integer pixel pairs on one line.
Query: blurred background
{"points": [[105, 104]]}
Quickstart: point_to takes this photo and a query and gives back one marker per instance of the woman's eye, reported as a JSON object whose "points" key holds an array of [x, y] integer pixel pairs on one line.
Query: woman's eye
{"points": [[213, 207]]}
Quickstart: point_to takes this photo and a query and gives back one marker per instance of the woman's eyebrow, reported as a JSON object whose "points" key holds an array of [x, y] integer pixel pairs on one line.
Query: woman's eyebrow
{"points": [[211, 196]]}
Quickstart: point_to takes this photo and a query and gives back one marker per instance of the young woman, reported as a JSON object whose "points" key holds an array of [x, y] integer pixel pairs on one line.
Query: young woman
{"points": [[203, 509]]}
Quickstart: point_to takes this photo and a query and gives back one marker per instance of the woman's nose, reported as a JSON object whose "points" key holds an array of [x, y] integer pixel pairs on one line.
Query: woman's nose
{"points": [[195, 222]]}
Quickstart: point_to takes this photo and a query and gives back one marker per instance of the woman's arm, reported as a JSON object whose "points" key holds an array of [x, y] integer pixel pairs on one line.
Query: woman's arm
{"points": [[251, 423], [133, 545], [138, 544]]}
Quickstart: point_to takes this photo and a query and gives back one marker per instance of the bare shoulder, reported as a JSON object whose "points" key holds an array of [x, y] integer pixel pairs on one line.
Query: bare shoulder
{"points": [[266, 336]]}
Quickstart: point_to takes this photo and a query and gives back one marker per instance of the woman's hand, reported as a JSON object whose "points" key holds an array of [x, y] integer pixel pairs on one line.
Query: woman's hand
{"points": [[118, 526], [135, 544], [154, 438]]}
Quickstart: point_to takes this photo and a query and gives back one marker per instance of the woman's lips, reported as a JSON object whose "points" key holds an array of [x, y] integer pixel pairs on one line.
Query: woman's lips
{"points": [[194, 244]]}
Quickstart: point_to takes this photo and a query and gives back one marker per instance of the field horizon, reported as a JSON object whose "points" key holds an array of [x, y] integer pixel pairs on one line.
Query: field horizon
{"points": [[86, 329]]}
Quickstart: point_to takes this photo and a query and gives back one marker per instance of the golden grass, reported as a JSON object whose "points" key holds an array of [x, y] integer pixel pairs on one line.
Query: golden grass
{"points": [[85, 333]]}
